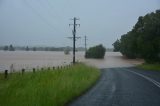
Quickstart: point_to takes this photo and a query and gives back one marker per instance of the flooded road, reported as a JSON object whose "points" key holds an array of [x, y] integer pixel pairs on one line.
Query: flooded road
{"points": [[113, 60], [30, 59]]}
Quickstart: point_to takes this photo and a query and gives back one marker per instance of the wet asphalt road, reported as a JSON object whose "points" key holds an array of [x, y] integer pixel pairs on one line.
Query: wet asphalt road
{"points": [[123, 87]]}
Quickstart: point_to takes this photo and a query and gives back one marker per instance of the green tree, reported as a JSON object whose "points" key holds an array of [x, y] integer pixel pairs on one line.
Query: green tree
{"points": [[116, 46], [96, 52], [34, 48], [144, 39], [11, 48], [27, 48], [5, 48], [67, 50], [149, 37]]}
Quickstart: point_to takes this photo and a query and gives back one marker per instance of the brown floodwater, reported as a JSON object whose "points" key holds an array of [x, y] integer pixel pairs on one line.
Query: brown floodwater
{"points": [[37, 59], [112, 60]]}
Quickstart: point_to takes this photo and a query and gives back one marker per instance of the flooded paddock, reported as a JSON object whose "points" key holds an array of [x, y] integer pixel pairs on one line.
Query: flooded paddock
{"points": [[38, 59], [34, 59]]}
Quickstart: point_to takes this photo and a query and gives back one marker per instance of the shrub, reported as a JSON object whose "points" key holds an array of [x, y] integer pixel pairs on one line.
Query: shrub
{"points": [[96, 52]]}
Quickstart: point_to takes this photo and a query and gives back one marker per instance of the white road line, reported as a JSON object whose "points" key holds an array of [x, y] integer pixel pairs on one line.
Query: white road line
{"points": [[147, 78]]}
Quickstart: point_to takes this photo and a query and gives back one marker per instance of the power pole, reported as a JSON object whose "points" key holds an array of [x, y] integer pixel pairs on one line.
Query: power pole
{"points": [[74, 36], [85, 38]]}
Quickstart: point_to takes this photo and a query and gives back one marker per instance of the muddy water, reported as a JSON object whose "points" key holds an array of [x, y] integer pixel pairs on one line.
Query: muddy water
{"points": [[37, 59], [114, 59]]}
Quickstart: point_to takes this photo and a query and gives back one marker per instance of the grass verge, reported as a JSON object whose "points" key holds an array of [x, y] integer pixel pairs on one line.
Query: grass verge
{"points": [[155, 67], [46, 88]]}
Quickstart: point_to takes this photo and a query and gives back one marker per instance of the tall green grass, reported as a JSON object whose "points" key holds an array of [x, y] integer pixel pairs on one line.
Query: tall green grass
{"points": [[46, 88], [155, 67]]}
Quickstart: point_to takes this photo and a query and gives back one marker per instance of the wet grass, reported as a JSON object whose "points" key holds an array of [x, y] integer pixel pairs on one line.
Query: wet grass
{"points": [[46, 88], [154, 67]]}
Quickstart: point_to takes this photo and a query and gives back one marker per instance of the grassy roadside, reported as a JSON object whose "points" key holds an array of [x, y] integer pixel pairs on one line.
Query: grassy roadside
{"points": [[155, 67], [46, 88]]}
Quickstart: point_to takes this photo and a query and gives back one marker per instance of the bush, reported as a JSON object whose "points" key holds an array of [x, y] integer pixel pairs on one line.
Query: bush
{"points": [[96, 52]]}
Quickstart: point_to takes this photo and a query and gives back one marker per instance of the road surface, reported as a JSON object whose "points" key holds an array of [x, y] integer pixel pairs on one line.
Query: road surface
{"points": [[123, 87]]}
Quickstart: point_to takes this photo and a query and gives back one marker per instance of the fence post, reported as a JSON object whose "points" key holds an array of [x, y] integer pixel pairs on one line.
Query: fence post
{"points": [[34, 70], [23, 70], [48, 68], [6, 74], [37, 68], [58, 67], [41, 69], [53, 67]]}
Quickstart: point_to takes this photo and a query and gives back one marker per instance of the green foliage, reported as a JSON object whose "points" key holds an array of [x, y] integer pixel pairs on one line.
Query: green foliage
{"points": [[67, 50], [11, 48], [146, 66], [129, 45], [46, 88], [5, 48], [116, 45], [96, 52], [40, 48], [27, 48], [34, 48], [144, 39]]}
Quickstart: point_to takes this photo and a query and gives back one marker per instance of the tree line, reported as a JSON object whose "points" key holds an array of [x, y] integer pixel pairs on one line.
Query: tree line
{"points": [[34, 48], [143, 41]]}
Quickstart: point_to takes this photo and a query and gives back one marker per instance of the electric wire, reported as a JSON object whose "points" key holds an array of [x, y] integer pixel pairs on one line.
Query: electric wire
{"points": [[40, 16]]}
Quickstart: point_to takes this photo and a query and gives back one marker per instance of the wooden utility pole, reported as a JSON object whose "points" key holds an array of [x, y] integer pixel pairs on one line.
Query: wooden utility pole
{"points": [[74, 36], [85, 38]]}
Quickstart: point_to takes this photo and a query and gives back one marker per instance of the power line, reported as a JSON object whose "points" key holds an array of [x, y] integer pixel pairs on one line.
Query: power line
{"points": [[53, 8], [40, 16], [52, 13], [74, 36]]}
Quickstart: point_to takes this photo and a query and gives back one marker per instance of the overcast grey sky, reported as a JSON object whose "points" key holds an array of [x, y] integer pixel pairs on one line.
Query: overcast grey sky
{"points": [[45, 22]]}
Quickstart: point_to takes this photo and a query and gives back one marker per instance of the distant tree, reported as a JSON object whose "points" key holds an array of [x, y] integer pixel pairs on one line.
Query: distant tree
{"points": [[34, 49], [27, 48], [67, 50], [11, 48], [5, 48], [46, 49], [96, 52], [116, 45]]}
